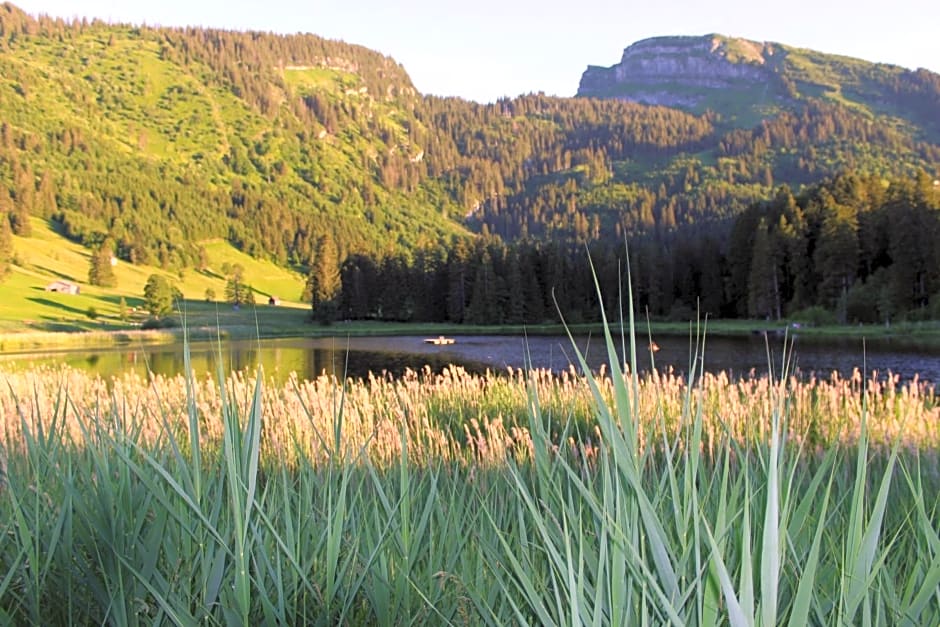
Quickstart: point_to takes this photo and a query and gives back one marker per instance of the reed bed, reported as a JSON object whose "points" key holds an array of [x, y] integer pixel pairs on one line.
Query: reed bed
{"points": [[479, 419], [26, 341], [453, 498]]}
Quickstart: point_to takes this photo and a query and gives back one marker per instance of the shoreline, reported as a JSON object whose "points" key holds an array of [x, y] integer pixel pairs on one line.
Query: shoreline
{"points": [[924, 334]]}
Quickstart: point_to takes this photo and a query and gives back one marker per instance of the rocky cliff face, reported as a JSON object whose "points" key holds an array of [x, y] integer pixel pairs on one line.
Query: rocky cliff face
{"points": [[679, 71]]}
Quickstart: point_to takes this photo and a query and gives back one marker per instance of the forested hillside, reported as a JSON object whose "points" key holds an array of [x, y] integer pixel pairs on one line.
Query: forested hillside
{"points": [[321, 155], [851, 249], [153, 139]]}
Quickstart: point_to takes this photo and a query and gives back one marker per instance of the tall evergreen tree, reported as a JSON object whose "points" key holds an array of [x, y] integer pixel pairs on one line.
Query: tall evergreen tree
{"points": [[6, 244], [236, 292], [764, 279], [46, 205], [457, 283], [158, 295], [25, 198], [740, 255], [533, 296], [836, 256], [100, 270], [15, 214], [515, 310], [325, 282], [483, 305]]}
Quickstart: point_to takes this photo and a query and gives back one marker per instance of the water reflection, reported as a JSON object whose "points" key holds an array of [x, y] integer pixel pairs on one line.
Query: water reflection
{"points": [[357, 357]]}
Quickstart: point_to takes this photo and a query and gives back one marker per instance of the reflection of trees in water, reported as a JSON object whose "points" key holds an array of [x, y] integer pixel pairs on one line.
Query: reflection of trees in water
{"points": [[242, 359], [166, 363], [310, 359], [324, 361], [361, 363]]}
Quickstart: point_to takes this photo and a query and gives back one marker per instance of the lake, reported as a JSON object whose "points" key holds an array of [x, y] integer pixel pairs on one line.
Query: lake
{"points": [[357, 356]]}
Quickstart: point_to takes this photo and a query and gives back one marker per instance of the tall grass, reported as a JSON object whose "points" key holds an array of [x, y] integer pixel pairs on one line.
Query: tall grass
{"points": [[527, 498]]}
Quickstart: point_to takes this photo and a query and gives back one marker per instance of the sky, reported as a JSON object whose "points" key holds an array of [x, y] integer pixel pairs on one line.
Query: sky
{"points": [[486, 49]]}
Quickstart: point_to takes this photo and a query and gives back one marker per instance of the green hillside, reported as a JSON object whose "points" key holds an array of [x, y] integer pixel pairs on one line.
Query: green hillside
{"points": [[156, 138], [161, 145], [46, 256]]}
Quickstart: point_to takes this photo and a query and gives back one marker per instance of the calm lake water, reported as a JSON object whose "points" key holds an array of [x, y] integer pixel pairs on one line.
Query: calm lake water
{"points": [[310, 357]]}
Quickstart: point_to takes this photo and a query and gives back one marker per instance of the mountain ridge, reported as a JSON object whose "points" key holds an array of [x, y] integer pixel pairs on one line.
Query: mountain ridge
{"points": [[707, 62], [148, 140], [768, 76]]}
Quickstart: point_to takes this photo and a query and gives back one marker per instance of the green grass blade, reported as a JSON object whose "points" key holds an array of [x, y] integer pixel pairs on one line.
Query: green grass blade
{"points": [[802, 602], [736, 616]]}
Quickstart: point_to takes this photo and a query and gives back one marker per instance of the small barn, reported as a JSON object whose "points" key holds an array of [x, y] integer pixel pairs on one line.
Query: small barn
{"points": [[63, 287]]}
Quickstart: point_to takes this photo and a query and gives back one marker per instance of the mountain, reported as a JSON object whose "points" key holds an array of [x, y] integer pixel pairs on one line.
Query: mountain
{"points": [[748, 81], [695, 73], [152, 141]]}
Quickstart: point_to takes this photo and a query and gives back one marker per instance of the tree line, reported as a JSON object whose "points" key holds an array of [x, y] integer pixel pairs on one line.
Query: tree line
{"points": [[851, 249]]}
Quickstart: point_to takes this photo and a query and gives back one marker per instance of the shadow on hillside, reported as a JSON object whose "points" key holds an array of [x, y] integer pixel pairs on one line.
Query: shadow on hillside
{"points": [[58, 326], [130, 301], [61, 306], [59, 229], [61, 275]]}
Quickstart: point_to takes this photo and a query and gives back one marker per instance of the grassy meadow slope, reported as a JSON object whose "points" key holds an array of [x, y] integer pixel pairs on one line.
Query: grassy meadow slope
{"points": [[47, 256]]}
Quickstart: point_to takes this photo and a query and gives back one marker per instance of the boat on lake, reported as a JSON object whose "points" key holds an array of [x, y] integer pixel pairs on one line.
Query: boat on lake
{"points": [[440, 340]]}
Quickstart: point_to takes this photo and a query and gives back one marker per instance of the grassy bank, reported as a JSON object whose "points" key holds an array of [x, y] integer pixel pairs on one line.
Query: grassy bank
{"points": [[212, 320], [462, 499]]}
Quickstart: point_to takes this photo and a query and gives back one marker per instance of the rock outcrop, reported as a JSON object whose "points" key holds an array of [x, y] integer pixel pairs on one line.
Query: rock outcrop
{"points": [[679, 71]]}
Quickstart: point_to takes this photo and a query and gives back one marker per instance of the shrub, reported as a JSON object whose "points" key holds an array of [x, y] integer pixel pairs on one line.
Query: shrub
{"points": [[160, 323], [815, 316]]}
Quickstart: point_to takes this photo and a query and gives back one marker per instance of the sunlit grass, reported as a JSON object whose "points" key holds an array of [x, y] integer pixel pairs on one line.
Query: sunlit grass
{"points": [[453, 498], [46, 256]]}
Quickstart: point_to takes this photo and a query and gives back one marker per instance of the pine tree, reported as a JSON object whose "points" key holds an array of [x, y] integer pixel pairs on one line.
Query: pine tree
{"points": [[324, 282], [740, 256], [354, 291], [46, 204], [15, 214], [533, 301], [310, 287], [100, 270], [516, 306], [158, 295], [235, 290], [836, 255], [25, 198], [483, 307], [764, 279], [711, 286], [6, 244], [456, 289]]}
